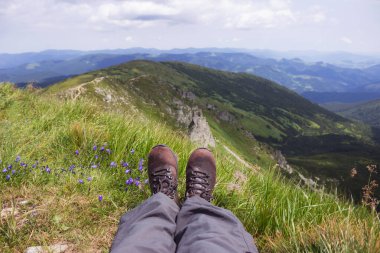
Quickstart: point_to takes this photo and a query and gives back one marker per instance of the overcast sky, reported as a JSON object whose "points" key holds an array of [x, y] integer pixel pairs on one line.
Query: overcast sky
{"points": [[324, 25]]}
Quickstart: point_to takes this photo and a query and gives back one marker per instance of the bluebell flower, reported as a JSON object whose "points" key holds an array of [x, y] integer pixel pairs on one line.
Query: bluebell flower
{"points": [[80, 181], [125, 164], [71, 167], [94, 147], [113, 164], [77, 152], [18, 158], [137, 183], [96, 156], [10, 166], [94, 166], [5, 170], [89, 179], [13, 172], [129, 181], [102, 148], [47, 169], [141, 164], [34, 166], [132, 151], [8, 177], [100, 197], [127, 171], [108, 151]]}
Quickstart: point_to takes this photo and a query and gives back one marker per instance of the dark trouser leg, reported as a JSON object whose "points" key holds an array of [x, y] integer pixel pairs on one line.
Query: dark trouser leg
{"points": [[149, 227], [204, 228]]}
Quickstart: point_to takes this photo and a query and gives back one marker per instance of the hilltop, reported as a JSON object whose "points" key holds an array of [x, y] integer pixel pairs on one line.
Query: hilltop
{"points": [[46, 68]]}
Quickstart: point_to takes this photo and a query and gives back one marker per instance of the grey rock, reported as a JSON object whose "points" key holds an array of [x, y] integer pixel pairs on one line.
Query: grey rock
{"points": [[189, 95], [211, 107], [282, 163], [199, 130], [56, 248], [226, 116], [6, 212]]}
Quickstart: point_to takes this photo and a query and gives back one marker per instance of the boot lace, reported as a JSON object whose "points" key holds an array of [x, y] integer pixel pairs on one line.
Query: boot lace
{"points": [[163, 182], [199, 185]]}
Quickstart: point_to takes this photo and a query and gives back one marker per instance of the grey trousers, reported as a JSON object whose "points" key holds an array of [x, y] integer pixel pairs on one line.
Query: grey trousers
{"points": [[159, 225]]}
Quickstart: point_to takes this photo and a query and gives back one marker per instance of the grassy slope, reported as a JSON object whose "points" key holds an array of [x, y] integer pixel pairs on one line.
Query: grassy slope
{"points": [[367, 112], [305, 132], [281, 216]]}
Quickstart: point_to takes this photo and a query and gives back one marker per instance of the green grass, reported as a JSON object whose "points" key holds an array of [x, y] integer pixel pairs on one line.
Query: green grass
{"points": [[282, 216]]}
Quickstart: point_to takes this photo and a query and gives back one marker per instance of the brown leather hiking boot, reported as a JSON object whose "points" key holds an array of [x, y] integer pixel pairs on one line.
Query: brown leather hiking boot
{"points": [[200, 174], [163, 171]]}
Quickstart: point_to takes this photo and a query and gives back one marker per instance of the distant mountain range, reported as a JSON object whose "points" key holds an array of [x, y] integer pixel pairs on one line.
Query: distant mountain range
{"points": [[311, 78]]}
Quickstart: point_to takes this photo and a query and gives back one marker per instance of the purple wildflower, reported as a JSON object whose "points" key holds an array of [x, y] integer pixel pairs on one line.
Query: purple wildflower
{"points": [[108, 151], [71, 167], [34, 166], [80, 181], [146, 181], [94, 147], [8, 177], [141, 164], [102, 148], [23, 164], [96, 156], [89, 179], [129, 181], [125, 164], [18, 158], [100, 197], [5, 170], [77, 152], [10, 166], [127, 171], [113, 164], [94, 166], [137, 183], [47, 169], [132, 151], [13, 172]]}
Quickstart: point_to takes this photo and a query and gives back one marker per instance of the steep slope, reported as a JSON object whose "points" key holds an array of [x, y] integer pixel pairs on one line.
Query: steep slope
{"points": [[366, 112], [253, 115]]}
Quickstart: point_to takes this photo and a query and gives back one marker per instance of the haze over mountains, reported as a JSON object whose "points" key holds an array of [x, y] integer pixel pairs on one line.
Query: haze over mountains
{"points": [[313, 75]]}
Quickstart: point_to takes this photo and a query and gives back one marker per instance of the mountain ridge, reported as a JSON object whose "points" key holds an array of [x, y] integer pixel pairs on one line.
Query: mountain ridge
{"points": [[292, 73]]}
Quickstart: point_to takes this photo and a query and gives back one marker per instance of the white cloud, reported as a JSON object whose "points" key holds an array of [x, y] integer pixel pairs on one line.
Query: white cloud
{"points": [[128, 39], [127, 14], [346, 40], [282, 24]]}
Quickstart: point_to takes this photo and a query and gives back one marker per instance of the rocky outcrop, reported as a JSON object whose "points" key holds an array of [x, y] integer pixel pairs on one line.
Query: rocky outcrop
{"points": [[281, 161], [193, 120], [226, 116], [188, 95], [199, 130]]}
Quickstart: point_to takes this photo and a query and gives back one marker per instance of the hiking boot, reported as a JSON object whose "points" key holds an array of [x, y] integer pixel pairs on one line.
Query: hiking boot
{"points": [[163, 171], [200, 174]]}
